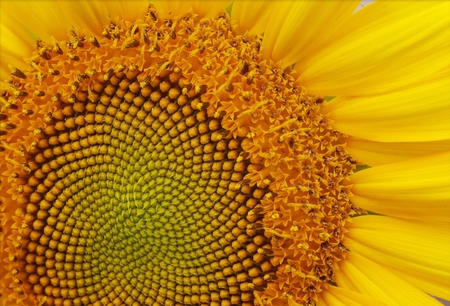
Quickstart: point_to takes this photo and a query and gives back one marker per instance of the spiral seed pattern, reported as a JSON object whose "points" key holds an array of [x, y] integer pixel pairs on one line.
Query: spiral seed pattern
{"points": [[140, 199]]}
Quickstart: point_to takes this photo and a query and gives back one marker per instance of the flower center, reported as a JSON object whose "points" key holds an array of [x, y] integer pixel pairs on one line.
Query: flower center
{"points": [[166, 163], [144, 194]]}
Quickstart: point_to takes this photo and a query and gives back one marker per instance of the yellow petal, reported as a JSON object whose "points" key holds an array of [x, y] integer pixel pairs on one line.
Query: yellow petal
{"points": [[336, 296], [13, 49], [252, 16], [16, 43], [90, 15], [418, 188], [383, 47], [201, 8], [298, 28], [419, 252], [129, 10], [327, 299], [379, 153], [47, 19], [94, 14], [43, 18], [420, 113], [365, 276]]}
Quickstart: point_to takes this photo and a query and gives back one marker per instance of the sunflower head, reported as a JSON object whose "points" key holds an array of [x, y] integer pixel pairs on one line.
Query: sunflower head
{"points": [[171, 155]]}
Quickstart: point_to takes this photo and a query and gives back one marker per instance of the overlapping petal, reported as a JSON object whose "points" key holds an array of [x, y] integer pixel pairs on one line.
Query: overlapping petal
{"points": [[376, 153], [45, 19], [48, 19], [16, 43], [336, 296], [417, 188], [252, 16], [386, 46], [418, 252], [419, 113], [298, 28], [365, 276], [129, 10], [181, 7]]}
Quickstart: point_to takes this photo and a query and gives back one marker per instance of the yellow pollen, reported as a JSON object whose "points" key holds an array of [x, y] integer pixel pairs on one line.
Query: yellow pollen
{"points": [[303, 246], [275, 216], [294, 228]]}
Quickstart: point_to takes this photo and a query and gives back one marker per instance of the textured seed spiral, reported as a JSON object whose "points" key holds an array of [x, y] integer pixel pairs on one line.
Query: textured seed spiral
{"points": [[140, 198]]}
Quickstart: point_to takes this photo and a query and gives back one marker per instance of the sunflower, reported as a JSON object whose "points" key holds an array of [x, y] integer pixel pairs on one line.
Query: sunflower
{"points": [[224, 153]]}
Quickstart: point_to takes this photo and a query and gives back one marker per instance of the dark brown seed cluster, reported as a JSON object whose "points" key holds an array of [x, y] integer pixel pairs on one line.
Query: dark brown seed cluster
{"points": [[138, 198]]}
